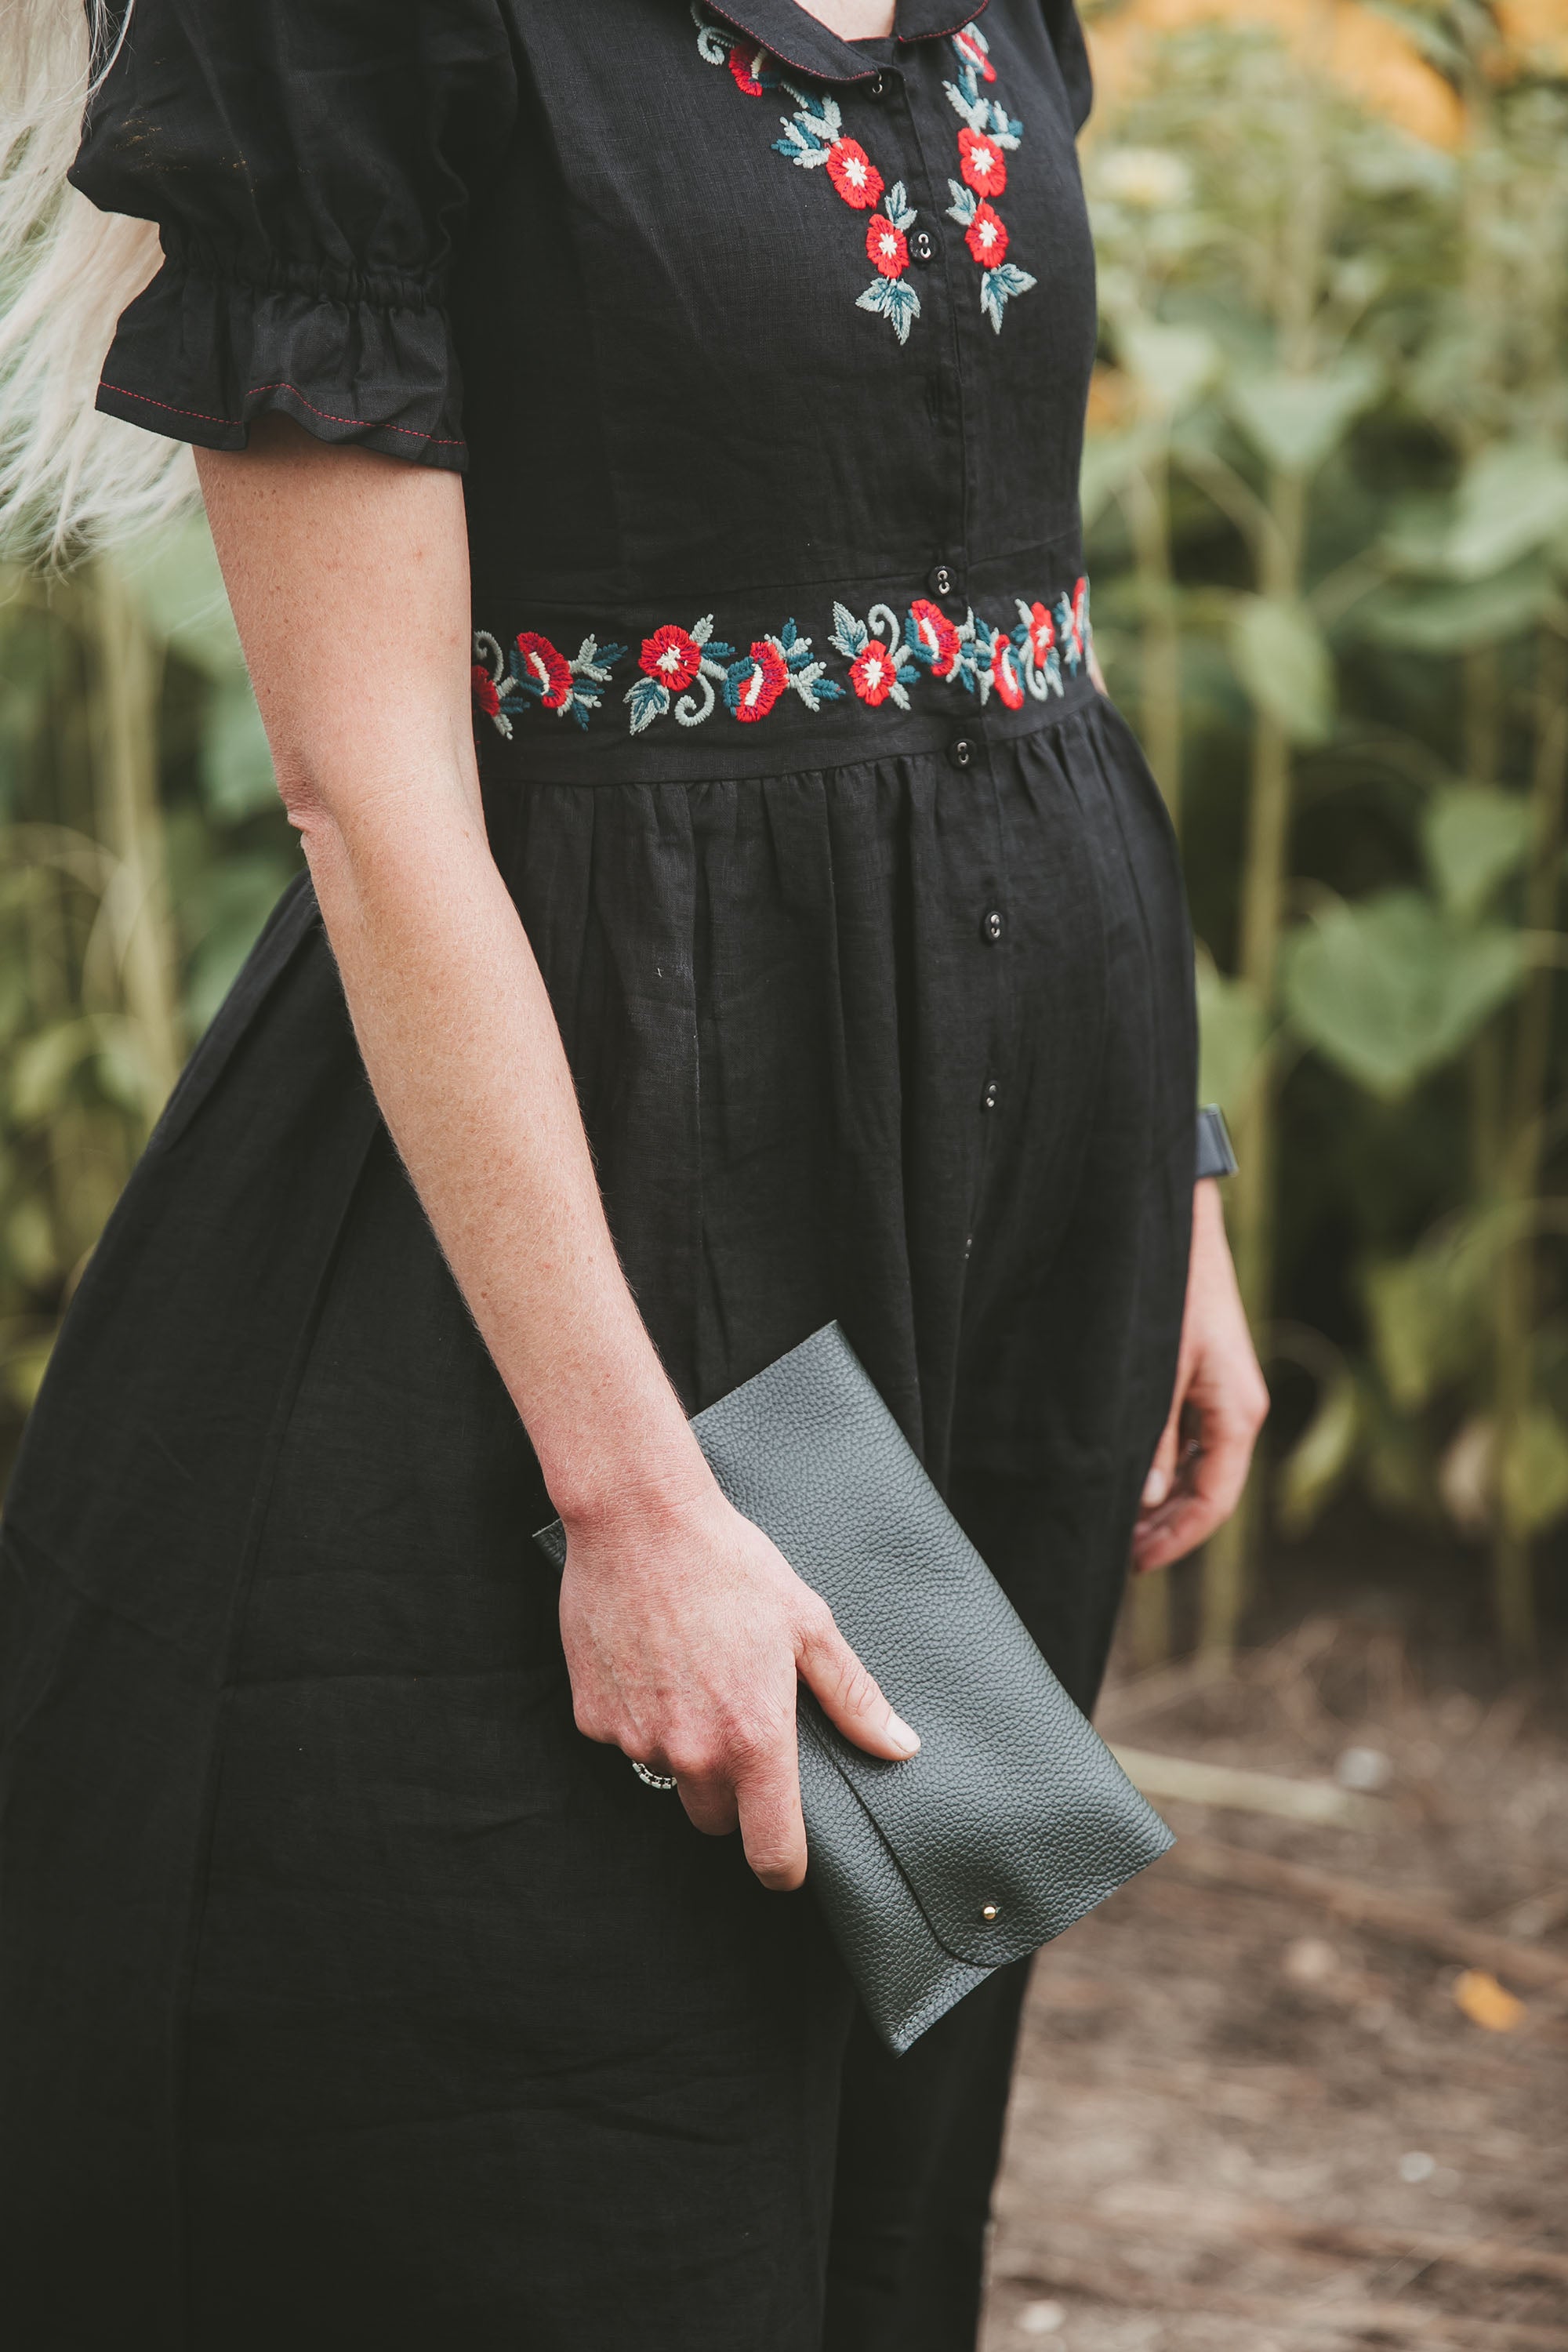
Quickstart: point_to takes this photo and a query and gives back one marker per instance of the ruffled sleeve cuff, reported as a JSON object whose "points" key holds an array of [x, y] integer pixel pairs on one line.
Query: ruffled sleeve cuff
{"points": [[205, 347]]}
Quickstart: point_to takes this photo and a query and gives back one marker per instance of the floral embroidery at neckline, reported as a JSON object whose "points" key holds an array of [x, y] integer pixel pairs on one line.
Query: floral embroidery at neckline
{"points": [[815, 139], [990, 135], [687, 672]]}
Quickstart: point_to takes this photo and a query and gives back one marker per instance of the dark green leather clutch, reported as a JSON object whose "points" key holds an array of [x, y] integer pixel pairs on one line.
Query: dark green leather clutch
{"points": [[1015, 1819]]}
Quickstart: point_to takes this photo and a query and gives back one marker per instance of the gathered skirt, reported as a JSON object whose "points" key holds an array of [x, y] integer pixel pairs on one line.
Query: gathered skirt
{"points": [[348, 1996]]}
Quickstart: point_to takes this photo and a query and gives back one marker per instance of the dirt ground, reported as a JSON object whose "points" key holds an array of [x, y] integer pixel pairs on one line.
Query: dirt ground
{"points": [[1249, 2118]]}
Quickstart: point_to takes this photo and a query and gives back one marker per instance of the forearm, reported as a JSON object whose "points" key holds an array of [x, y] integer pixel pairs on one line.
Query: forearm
{"points": [[462, 1049], [349, 580]]}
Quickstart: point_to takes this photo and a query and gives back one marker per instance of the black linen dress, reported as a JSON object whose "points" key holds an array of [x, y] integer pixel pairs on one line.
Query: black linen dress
{"points": [[348, 1998]]}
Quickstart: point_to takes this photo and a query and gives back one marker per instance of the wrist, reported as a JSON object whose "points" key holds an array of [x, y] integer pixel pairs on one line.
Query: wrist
{"points": [[651, 1484]]}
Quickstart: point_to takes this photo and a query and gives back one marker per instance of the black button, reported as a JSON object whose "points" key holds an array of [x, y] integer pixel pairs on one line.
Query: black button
{"points": [[993, 926], [962, 753], [991, 1096], [922, 246], [944, 581], [880, 85]]}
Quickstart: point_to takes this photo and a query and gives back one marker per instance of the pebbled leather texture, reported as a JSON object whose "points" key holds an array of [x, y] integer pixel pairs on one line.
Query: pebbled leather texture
{"points": [[1013, 1803]]}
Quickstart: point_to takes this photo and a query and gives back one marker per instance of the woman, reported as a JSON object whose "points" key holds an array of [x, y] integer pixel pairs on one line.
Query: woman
{"points": [[684, 406]]}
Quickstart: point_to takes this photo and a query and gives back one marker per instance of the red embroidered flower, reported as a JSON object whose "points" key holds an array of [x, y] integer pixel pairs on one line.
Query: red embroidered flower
{"points": [[1042, 635], [938, 635], [988, 237], [970, 50], [887, 246], [550, 670], [748, 68], [673, 656], [854, 175], [984, 165], [1005, 675], [875, 674], [485, 693], [760, 682]]}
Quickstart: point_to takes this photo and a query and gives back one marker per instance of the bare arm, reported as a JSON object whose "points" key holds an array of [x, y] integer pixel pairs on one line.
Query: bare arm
{"points": [[684, 1628]]}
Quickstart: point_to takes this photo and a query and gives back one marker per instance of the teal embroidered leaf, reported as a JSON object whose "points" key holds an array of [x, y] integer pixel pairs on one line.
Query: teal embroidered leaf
{"points": [[850, 637], [903, 305], [964, 205], [650, 699], [799, 145], [897, 207], [998, 285], [893, 298]]}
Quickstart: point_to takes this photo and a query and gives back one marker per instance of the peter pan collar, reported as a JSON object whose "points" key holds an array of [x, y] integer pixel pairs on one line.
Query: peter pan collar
{"points": [[795, 37]]}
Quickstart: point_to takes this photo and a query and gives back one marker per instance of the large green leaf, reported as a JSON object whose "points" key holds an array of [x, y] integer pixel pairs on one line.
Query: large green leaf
{"points": [[1512, 498], [1474, 837], [1294, 421], [1389, 989], [1426, 1312], [1450, 617], [1283, 660], [1511, 501]]}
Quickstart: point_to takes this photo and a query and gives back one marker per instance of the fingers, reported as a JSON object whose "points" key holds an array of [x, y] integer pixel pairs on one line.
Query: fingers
{"points": [[1192, 1514], [709, 1804], [773, 1829], [1162, 1469], [846, 1693]]}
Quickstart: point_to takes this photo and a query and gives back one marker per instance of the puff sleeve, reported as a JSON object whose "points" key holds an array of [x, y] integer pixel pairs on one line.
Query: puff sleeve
{"points": [[309, 163]]}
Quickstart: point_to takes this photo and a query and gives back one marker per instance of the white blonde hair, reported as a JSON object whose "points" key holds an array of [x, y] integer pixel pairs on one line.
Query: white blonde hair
{"points": [[69, 480]]}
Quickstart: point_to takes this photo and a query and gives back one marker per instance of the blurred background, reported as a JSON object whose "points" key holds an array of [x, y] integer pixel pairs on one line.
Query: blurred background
{"points": [[1306, 2085]]}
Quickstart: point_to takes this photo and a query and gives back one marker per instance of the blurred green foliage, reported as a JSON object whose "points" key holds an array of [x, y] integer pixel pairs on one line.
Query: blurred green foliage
{"points": [[1328, 499]]}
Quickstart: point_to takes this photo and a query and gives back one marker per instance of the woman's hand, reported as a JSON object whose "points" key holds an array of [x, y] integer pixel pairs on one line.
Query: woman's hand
{"points": [[686, 1635], [1220, 1405]]}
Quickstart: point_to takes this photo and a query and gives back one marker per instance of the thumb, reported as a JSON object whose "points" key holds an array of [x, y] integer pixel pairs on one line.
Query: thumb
{"points": [[1162, 1469], [849, 1696]]}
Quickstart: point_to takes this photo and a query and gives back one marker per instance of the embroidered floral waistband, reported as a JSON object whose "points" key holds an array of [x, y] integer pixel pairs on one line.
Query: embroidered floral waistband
{"points": [[687, 674]]}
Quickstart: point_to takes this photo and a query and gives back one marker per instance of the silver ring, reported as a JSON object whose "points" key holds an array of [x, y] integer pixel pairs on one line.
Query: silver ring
{"points": [[651, 1779]]}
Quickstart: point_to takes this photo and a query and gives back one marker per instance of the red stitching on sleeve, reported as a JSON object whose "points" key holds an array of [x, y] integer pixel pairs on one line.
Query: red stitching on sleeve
{"points": [[363, 421], [362, 424], [199, 414]]}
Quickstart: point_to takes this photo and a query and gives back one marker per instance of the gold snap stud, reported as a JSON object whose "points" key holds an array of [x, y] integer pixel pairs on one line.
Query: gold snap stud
{"points": [[989, 1911]]}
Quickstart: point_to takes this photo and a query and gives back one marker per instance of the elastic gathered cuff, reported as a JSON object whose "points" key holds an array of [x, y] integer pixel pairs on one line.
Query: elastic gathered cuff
{"points": [[199, 354]]}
